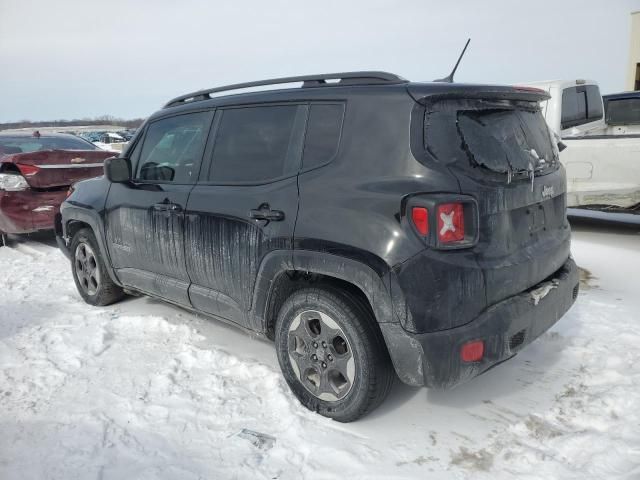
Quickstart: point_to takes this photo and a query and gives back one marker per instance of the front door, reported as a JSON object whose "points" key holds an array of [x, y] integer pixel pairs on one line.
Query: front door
{"points": [[145, 217], [244, 206]]}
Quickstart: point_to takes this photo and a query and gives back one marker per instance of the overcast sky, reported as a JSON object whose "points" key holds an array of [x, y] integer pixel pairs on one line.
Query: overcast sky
{"points": [[78, 58]]}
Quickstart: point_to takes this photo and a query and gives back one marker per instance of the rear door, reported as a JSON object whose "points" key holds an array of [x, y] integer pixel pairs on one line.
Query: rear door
{"points": [[244, 206], [145, 218]]}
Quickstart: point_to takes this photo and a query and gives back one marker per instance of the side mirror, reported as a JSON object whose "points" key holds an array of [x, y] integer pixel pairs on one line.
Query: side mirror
{"points": [[117, 169]]}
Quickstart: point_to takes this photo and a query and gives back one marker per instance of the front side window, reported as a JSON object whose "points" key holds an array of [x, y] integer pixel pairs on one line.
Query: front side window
{"points": [[172, 148], [257, 144]]}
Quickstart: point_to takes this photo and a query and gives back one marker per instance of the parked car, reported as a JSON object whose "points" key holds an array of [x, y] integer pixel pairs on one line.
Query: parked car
{"points": [[367, 224], [36, 171], [111, 141], [602, 166], [127, 135], [622, 113], [92, 136]]}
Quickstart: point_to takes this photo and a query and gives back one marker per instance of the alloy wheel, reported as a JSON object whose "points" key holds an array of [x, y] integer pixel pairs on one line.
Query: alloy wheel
{"points": [[86, 266], [321, 355]]}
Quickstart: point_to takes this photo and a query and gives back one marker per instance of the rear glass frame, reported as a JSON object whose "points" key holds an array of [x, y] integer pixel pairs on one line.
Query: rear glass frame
{"points": [[443, 141]]}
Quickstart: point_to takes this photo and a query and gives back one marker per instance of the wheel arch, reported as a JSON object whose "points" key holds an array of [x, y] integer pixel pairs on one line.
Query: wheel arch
{"points": [[74, 219], [280, 275]]}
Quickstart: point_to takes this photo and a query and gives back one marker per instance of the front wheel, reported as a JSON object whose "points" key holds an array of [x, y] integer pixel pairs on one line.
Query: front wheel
{"points": [[89, 272], [332, 353]]}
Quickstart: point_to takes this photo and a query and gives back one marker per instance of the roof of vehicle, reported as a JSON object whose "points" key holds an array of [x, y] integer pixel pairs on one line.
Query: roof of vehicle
{"points": [[560, 84], [331, 86], [621, 95], [114, 135]]}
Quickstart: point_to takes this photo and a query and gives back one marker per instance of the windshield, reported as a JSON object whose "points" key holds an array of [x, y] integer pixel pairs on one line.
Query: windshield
{"points": [[501, 137], [9, 145]]}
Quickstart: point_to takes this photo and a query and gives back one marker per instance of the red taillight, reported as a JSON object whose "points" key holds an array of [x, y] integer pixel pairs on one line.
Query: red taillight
{"points": [[28, 170], [420, 217], [450, 222], [472, 351]]}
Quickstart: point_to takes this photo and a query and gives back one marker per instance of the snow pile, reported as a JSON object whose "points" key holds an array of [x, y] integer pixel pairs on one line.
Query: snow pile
{"points": [[593, 428], [90, 392], [143, 390]]}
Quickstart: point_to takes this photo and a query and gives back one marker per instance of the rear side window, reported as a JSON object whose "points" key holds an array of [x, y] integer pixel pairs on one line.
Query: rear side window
{"points": [[323, 134], [581, 105], [623, 112], [172, 148], [257, 144]]}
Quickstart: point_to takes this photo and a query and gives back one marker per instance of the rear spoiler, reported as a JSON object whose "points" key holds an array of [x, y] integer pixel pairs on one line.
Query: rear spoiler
{"points": [[425, 93]]}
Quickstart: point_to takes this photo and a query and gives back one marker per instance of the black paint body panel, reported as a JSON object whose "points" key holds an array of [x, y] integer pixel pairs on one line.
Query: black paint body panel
{"points": [[348, 220], [225, 248]]}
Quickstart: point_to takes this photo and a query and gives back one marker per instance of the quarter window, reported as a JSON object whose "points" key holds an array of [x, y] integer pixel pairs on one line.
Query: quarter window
{"points": [[323, 134], [257, 144], [172, 149]]}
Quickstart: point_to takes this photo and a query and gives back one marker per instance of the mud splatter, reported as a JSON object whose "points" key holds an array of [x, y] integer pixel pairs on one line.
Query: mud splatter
{"points": [[586, 279], [421, 460], [540, 428], [480, 460]]}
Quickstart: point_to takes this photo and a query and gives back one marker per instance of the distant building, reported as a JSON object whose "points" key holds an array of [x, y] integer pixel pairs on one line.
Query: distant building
{"points": [[633, 72]]}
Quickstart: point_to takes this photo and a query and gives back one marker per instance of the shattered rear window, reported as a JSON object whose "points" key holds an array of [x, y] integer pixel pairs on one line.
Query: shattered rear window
{"points": [[506, 138]]}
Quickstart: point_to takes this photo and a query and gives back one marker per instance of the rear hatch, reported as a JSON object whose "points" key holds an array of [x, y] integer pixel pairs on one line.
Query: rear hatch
{"points": [[53, 169], [497, 144]]}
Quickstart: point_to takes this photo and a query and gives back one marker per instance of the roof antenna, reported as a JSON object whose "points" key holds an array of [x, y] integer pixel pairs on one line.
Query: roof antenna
{"points": [[449, 78]]}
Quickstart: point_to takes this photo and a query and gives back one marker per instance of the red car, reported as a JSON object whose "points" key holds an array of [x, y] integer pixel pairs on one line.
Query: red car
{"points": [[36, 171]]}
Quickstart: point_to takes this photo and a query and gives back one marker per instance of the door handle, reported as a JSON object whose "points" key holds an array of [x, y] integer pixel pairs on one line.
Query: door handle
{"points": [[265, 213], [167, 207]]}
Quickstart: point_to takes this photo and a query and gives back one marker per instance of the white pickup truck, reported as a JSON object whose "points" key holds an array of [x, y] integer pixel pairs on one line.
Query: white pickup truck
{"points": [[602, 164]]}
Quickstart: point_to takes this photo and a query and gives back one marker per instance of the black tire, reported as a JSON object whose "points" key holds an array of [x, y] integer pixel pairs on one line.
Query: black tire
{"points": [[98, 290], [372, 374]]}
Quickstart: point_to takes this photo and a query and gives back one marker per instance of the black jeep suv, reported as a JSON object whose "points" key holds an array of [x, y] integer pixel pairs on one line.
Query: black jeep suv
{"points": [[369, 225]]}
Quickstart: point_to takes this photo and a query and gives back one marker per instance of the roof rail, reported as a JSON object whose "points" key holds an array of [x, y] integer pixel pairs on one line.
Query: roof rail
{"points": [[345, 78]]}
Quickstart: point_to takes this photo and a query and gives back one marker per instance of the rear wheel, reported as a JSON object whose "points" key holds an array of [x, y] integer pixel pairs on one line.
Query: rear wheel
{"points": [[332, 354], [89, 272]]}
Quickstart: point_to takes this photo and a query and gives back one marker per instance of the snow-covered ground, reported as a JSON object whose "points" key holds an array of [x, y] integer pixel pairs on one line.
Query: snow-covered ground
{"points": [[143, 390]]}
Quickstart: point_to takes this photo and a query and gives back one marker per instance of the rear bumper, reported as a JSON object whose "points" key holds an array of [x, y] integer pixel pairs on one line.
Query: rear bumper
{"points": [[433, 359], [29, 210]]}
